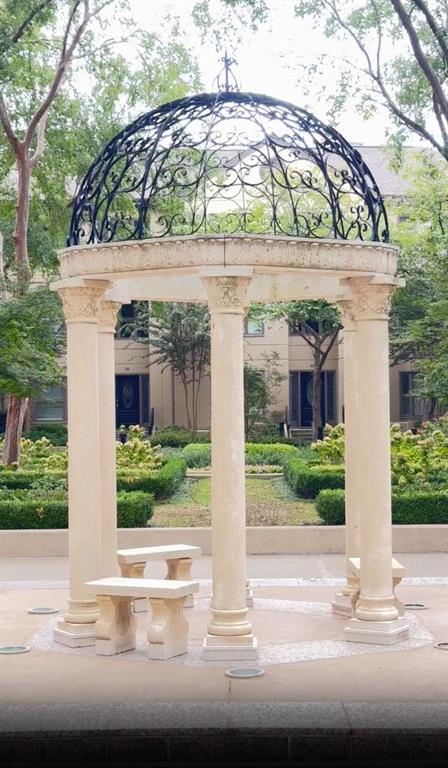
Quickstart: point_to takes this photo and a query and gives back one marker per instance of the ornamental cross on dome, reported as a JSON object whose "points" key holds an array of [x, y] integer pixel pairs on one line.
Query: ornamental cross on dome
{"points": [[226, 80]]}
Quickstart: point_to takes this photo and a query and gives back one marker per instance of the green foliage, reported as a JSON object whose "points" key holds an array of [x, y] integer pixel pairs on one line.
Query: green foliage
{"points": [[260, 389], [29, 509], [160, 484], [24, 478], [419, 319], [417, 508], [198, 455], [307, 481], [56, 433], [138, 454], [31, 341], [176, 437], [418, 461], [267, 433], [40, 455], [381, 66]]}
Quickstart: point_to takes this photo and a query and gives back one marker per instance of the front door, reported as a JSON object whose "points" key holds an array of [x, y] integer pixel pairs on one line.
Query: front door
{"points": [[301, 398], [127, 389]]}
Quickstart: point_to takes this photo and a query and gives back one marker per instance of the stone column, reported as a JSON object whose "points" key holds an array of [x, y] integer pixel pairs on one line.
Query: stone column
{"points": [[376, 617], [81, 309], [342, 602], [229, 631], [106, 377]]}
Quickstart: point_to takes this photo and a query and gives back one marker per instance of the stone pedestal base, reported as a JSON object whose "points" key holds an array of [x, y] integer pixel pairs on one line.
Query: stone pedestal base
{"points": [[74, 635], [342, 604], [230, 648], [379, 632], [168, 649]]}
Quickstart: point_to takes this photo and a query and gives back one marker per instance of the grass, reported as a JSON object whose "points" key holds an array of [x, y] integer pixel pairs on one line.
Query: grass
{"points": [[268, 502]]}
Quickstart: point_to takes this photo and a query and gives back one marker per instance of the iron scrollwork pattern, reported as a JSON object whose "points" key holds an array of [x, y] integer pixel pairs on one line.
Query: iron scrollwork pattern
{"points": [[228, 163]]}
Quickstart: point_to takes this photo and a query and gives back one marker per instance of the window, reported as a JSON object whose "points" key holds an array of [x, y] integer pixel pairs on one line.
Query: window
{"points": [[50, 407], [296, 327], [410, 405], [253, 327]]}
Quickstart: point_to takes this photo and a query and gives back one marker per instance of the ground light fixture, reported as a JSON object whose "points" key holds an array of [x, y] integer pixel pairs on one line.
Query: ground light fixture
{"points": [[9, 650], [415, 606], [245, 673], [43, 611], [441, 646]]}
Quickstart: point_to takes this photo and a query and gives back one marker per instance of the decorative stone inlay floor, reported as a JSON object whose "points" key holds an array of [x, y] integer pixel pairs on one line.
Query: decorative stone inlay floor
{"points": [[326, 647], [419, 581]]}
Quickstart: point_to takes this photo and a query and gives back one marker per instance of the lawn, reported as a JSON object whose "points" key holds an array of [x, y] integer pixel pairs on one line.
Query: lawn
{"points": [[269, 502]]}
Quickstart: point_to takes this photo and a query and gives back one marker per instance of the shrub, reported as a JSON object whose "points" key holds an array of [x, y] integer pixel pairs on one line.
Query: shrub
{"points": [[197, 455], [307, 481], [161, 484], [270, 453], [26, 510], [177, 437], [22, 478], [56, 433], [267, 433], [138, 454], [407, 508]]}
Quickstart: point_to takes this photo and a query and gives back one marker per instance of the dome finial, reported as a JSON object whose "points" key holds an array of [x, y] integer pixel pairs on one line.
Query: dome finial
{"points": [[226, 80]]}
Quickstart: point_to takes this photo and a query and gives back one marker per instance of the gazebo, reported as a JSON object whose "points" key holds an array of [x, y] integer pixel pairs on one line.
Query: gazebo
{"points": [[229, 198]]}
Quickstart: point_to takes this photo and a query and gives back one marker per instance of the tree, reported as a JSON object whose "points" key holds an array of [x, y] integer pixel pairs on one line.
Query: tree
{"points": [[31, 339], [419, 317], [260, 388], [47, 50], [318, 324], [400, 60], [180, 335]]}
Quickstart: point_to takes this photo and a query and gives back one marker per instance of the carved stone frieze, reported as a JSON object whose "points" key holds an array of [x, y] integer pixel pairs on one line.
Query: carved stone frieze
{"points": [[81, 304], [227, 294]]}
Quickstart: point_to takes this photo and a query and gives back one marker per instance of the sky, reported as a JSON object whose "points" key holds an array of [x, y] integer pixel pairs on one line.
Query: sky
{"points": [[266, 60]]}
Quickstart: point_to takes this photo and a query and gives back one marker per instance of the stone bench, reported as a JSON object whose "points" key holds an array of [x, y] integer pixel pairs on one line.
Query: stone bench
{"points": [[116, 626], [398, 573], [179, 558]]}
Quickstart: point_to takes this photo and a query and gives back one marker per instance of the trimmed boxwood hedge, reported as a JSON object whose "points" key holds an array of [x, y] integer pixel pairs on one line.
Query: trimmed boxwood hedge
{"points": [[422, 507], [133, 511], [308, 480], [199, 454], [161, 484]]}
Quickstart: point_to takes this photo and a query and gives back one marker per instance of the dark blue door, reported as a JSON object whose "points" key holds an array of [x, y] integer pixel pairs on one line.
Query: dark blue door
{"points": [[127, 389]]}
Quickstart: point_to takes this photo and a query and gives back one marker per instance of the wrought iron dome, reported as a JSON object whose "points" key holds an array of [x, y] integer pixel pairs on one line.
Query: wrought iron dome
{"points": [[228, 163]]}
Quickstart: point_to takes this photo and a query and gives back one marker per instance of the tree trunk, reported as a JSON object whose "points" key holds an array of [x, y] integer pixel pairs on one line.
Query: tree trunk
{"points": [[187, 402], [14, 425], [20, 236], [317, 417]]}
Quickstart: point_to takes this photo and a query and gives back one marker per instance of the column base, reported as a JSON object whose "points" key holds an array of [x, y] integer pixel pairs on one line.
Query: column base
{"points": [[378, 632], [74, 635], [230, 648], [342, 605]]}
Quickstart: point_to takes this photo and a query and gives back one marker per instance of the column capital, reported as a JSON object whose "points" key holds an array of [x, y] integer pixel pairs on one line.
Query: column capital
{"points": [[346, 309], [81, 305], [107, 315], [369, 300], [227, 295]]}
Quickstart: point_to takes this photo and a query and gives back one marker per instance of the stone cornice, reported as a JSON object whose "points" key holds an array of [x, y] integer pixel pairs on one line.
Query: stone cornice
{"points": [[274, 253]]}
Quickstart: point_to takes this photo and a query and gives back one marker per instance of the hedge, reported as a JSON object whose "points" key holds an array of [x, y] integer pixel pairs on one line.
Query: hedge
{"points": [[177, 437], [161, 484], [133, 511], [56, 433], [422, 507], [307, 480], [199, 454]]}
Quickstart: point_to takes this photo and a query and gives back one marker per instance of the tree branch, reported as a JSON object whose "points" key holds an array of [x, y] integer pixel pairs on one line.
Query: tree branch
{"points": [[7, 127], [26, 22], [423, 62], [434, 27]]}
